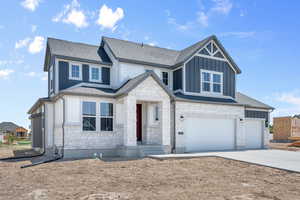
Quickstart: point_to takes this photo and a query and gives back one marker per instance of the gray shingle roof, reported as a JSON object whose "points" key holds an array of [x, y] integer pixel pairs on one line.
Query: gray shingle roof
{"points": [[123, 90], [250, 102], [8, 127], [141, 53], [75, 50]]}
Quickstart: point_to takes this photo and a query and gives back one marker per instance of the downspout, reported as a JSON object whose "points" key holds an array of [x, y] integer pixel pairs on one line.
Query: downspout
{"points": [[63, 144], [174, 132]]}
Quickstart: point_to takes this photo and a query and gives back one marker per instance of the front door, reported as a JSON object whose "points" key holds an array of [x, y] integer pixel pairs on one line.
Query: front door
{"points": [[139, 122]]}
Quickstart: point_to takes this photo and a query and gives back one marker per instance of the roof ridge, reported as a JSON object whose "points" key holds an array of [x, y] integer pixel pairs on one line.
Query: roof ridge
{"points": [[145, 44], [93, 45]]}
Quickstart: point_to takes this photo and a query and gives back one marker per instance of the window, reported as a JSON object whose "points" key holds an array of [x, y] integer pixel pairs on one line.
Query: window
{"points": [[106, 116], [165, 78], [156, 113], [89, 116], [211, 82], [75, 71], [95, 74], [51, 78]]}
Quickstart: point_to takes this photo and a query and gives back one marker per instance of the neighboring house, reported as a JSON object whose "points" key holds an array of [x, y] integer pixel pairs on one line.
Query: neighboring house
{"points": [[13, 129], [122, 98]]}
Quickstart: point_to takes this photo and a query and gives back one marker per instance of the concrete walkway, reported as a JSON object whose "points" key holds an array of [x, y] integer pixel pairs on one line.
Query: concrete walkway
{"points": [[279, 159]]}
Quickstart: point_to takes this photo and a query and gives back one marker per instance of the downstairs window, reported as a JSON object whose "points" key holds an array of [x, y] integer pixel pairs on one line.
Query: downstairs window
{"points": [[106, 116], [89, 116]]}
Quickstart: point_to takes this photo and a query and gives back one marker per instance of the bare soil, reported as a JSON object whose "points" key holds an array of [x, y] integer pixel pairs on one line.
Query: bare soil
{"points": [[283, 146], [202, 178]]}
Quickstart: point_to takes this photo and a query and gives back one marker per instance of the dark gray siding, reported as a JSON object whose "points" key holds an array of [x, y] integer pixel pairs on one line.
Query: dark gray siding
{"points": [[192, 74], [257, 114], [177, 79], [65, 82], [37, 130]]}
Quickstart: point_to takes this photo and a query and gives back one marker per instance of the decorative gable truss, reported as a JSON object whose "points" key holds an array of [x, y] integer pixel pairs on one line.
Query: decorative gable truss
{"points": [[212, 50]]}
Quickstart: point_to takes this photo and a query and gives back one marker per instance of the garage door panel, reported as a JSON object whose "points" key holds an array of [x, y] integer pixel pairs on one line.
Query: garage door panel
{"points": [[208, 134], [254, 133]]}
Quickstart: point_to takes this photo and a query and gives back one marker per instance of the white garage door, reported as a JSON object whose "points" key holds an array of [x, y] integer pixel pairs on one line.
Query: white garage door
{"points": [[254, 133], [204, 134]]}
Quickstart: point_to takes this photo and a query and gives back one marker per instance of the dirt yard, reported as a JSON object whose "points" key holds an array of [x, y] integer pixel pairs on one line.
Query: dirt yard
{"points": [[203, 178], [283, 146]]}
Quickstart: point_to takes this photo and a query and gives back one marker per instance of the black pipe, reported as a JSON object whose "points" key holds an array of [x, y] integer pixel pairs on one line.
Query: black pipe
{"points": [[41, 162], [21, 157]]}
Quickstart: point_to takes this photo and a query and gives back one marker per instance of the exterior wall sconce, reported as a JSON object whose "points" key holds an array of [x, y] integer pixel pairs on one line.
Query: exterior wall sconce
{"points": [[181, 117]]}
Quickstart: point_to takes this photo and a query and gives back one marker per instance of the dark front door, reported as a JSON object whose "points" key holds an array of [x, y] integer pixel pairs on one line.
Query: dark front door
{"points": [[139, 122]]}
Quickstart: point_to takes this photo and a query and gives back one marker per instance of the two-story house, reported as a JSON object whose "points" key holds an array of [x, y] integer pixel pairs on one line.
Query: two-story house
{"points": [[122, 98]]}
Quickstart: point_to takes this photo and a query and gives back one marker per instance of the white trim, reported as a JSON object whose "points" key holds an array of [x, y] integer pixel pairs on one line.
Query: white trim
{"points": [[212, 57], [91, 85], [100, 74], [257, 109], [51, 78], [208, 95], [162, 77], [211, 82], [70, 71]]}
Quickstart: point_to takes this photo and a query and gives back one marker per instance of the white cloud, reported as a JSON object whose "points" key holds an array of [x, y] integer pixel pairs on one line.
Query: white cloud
{"points": [[22, 43], [42, 76], [36, 45], [30, 4], [238, 34], [202, 18], [11, 62], [109, 18], [222, 6], [33, 28], [180, 27], [77, 18], [72, 14], [5, 73], [31, 74]]}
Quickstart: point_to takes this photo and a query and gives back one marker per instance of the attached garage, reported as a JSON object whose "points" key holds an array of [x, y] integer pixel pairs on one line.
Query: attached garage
{"points": [[254, 133], [209, 134]]}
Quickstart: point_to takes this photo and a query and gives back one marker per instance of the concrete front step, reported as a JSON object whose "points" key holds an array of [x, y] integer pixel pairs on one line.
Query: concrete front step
{"points": [[146, 150]]}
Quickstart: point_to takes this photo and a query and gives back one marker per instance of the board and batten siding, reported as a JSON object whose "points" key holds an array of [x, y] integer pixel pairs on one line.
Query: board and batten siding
{"points": [[193, 76], [257, 114], [65, 82], [177, 79]]}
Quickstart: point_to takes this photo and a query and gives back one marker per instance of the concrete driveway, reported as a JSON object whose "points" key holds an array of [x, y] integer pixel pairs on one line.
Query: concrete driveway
{"points": [[279, 159]]}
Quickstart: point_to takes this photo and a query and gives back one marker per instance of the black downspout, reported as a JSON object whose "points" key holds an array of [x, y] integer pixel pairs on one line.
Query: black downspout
{"points": [[63, 144]]}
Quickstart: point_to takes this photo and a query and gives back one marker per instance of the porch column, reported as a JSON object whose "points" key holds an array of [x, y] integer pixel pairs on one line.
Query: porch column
{"points": [[129, 121], [166, 122]]}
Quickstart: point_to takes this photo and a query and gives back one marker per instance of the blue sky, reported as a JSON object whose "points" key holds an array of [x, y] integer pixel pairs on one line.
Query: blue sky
{"points": [[261, 35]]}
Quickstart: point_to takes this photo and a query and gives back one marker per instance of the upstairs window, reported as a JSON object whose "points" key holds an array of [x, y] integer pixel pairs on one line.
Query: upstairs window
{"points": [[89, 116], [75, 72], [96, 74], [211, 82], [106, 116], [165, 78]]}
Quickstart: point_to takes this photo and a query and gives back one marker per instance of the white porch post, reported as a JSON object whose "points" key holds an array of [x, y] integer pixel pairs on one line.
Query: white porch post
{"points": [[165, 122], [129, 121]]}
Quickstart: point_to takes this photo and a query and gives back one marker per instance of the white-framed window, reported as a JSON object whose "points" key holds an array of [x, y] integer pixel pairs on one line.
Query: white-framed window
{"points": [[75, 71], [88, 116], [106, 116], [165, 78], [95, 74], [211, 82], [51, 78]]}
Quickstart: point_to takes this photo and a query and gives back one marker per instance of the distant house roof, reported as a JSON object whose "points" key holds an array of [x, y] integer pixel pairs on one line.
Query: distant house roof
{"points": [[9, 127], [77, 51]]}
